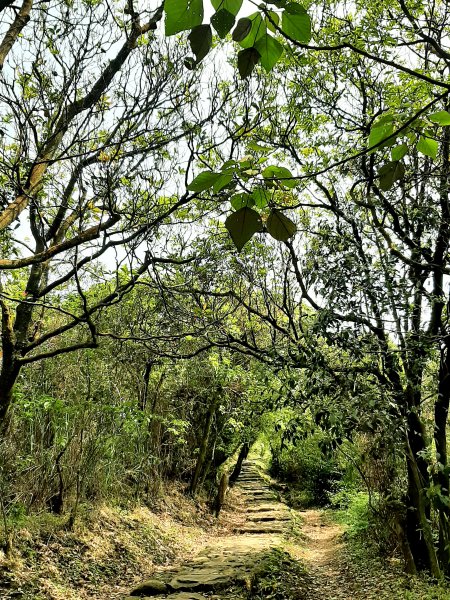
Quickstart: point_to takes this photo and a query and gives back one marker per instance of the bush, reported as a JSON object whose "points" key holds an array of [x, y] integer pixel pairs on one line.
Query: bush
{"points": [[310, 471]]}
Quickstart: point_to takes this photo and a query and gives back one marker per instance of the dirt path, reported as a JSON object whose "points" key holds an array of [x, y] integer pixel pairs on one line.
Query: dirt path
{"points": [[320, 553], [226, 569], [332, 572]]}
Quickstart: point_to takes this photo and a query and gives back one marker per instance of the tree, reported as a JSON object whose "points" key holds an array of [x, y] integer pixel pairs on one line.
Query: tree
{"points": [[98, 126], [371, 259]]}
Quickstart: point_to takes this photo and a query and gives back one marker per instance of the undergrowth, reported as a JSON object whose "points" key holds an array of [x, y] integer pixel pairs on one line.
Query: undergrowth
{"points": [[109, 549], [279, 577]]}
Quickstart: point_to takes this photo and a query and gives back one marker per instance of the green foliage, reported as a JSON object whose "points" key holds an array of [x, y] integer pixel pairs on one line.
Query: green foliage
{"points": [[250, 31], [242, 225], [247, 60], [268, 182], [203, 181], [279, 577], [200, 40], [440, 118], [182, 15], [428, 147], [296, 23], [309, 472], [355, 512], [223, 22], [280, 227], [390, 173]]}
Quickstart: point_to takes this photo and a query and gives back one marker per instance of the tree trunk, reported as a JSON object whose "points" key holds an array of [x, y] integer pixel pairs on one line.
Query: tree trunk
{"points": [[7, 381], [203, 448], [442, 478], [243, 453]]}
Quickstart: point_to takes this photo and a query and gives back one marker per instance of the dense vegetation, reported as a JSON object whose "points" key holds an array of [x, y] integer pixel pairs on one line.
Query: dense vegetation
{"points": [[151, 329]]}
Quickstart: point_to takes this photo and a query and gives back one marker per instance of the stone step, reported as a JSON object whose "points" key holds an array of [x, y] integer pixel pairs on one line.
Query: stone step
{"points": [[265, 497], [268, 517], [257, 528], [257, 491], [266, 506]]}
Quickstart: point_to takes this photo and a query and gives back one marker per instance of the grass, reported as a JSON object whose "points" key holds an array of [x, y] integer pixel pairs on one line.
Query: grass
{"points": [[108, 552], [279, 577], [383, 576]]}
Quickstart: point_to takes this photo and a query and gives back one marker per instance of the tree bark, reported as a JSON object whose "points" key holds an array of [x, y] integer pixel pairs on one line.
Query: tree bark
{"points": [[442, 478], [203, 447]]}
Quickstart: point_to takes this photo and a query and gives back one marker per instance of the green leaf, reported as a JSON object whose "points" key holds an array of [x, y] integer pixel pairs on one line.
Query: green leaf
{"points": [[261, 197], [190, 63], [440, 118], [273, 172], [242, 225], [222, 181], [257, 147], [257, 30], [428, 147], [228, 165], [296, 23], [390, 173], [384, 120], [270, 50], [247, 60], [182, 15], [280, 227], [232, 6], [242, 29], [275, 18], [379, 133], [203, 181], [222, 21], [399, 152], [240, 200], [200, 39]]}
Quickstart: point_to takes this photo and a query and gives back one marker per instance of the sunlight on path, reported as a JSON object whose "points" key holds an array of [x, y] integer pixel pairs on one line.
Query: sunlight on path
{"points": [[232, 560]]}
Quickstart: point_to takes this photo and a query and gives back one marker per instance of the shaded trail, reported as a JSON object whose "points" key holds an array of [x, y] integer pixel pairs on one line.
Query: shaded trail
{"points": [[232, 561], [226, 569]]}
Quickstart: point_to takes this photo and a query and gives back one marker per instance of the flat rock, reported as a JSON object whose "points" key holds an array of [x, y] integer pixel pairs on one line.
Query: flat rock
{"points": [[186, 596], [260, 517], [265, 527], [151, 587]]}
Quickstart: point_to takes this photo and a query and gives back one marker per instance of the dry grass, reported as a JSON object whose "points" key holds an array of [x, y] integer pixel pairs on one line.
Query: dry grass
{"points": [[111, 548]]}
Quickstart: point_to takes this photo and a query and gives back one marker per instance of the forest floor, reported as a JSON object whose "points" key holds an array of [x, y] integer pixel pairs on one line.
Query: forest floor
{"points": [[257, 549], [283, 554]]}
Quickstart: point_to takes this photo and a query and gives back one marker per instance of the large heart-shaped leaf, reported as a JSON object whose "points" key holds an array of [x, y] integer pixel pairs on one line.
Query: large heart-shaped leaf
{"points": [[257, 30], [427, 146], [242, 29], [296, 23], [247, 60], [232, 6], [380, 132], [280, 174], [270, 50], [242, 226], [182, 15], [390, 173], [204, 181], [440, 118], [280, 227], [200, 39], [222, 21], [240, 200]]}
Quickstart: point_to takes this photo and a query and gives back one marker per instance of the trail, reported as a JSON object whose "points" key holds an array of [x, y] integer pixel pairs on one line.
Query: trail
{"points": [[320, 553], [225, 570], [230, 562]]}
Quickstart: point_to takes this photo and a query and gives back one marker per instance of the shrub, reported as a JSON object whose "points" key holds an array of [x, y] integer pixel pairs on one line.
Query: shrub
{"points": [[310, 471]]}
